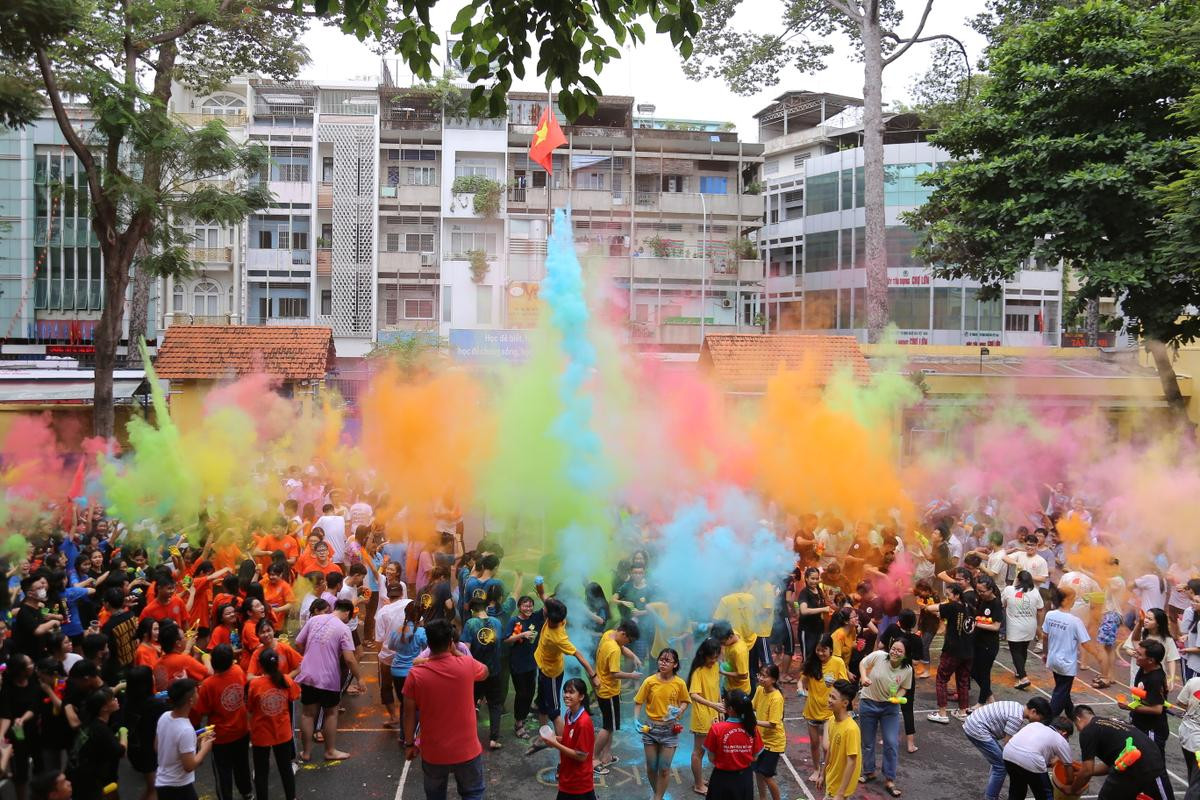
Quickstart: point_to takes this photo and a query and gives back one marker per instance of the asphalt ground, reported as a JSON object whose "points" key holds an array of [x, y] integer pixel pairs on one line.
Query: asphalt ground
{"points": [[946, 766]]}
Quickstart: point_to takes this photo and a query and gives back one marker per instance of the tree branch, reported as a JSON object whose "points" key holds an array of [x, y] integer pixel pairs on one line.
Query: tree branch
{"points": [[844, 7], [962, 48], [190, 22], [914, 38]]}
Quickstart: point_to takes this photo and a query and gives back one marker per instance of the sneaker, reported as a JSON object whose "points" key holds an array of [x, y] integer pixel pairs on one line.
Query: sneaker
{"points": [[940, 719], [960, 714], [521, 733], [600, 769], [1037, 648], [1024, 683]]}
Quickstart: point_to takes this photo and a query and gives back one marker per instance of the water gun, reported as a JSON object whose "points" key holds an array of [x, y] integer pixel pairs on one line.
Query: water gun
{"points": [[60, 687], [110, 789], [187, 581], [538, 580], [900, 701], [366, 593], [1127, 757], [1132, 703], [983, 620], [820, 547], [161, 695], [923, 539], [517, 629], [859, 644], [644, 728], [726, 666], [205, 729]]}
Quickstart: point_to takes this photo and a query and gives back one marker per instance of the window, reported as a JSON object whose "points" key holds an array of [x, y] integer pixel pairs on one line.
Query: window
{"points": [[771, 168], [418, 242], [206, 299], [713, 185], [822, 193], [293, 173], [674, 183], [463, 241], [412, 155], [798, 160], [821, 251], [327, 169], [910, 307], [299, 240], [982, 315], [177, 299], [483, 304], [393, 176], [390, 315], [223, 105], [820, 310], [420, 176], [900, 242], [902, 185], [292, 307], [206, 236], [326, 302], [447, 305], [464, 170], [947, 308], [264, 240], [418, 308]]}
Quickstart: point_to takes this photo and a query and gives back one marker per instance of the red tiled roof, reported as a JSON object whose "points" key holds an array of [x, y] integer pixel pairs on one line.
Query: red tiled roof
{"points": [[213, 352], [745, 362]]}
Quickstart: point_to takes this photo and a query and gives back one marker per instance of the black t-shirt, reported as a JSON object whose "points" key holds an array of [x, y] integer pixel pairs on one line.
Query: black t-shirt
{"points": [[1155, 684], [913, 648], [433, 599], [1104, 739], [995, 610], [812, 624], [940, 556], [92, 763], [960, 627], [16, 700], [24, 632], [121, 630]]}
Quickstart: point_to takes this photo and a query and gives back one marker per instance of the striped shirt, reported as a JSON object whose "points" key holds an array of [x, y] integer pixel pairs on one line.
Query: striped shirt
{"points": [[995, 721]]}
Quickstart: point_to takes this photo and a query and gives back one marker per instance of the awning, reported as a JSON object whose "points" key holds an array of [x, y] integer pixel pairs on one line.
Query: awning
{"points": [[25, 386]]}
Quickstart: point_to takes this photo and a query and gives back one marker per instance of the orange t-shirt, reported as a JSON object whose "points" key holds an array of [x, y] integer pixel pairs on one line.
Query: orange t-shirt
{"points": [[174, 609], [306, 562], [276, 594], [269, 543], [174, 666], [222, 698], [289, 659], [201, 600], [220, 600], [146, 655], [227, 555], [250, 641], [222, 634], [270, 723]]}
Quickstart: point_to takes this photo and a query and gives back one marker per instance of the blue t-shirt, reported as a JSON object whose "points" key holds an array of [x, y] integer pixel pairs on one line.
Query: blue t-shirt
{"points": [[73, 626], [482, 635], [405, 652], [1064, 634], [396, 551], [372, 583], [478, 590]]}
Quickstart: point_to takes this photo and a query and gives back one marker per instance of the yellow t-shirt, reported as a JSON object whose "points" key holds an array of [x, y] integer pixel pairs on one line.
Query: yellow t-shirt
{"points": [[817, 706], [608, 661], [656, 694], [552, 645], [769, 708], [706, 682], [843, 644], [844, 740], [739, 609], [737, 656], [764, 617]]}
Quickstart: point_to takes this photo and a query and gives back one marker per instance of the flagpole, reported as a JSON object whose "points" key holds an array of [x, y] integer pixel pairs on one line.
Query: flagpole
{"points": [[549, 172]]}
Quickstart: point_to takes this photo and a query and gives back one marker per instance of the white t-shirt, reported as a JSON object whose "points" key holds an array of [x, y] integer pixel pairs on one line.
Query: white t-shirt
{"points": [[1151, 591], [995, 565], [360, 514], [1082, 585], [1035, 565], [1020, 613], [1170, 653], [71, 660], [388, 619], [1189, 728], [1191, 638], [1178, 575], [175, 736], [1064, 634], [348, 592], [1033, 746], [335, 536]]}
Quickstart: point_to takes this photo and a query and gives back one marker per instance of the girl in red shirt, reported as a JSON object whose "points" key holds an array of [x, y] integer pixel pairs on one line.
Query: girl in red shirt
{"points": [[733, 745], [253, 611], [269, 698], [227, 630], [147, 652], [576, 745], [289, 659]]}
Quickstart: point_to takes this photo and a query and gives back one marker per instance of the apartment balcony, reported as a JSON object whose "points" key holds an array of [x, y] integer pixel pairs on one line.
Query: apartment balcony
{"points": [[727, 205], [258, 258], [472, 124], [688, 333], [287, 321], [179, 318], [410, 120], [324, 195], [211, 255], [393, 261], [411, 195], [691, 269], [195, 120], [324, 320], [291, 191], [324, 261]]}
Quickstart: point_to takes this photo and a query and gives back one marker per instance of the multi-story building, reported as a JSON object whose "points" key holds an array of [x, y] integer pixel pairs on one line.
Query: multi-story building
{"points": [[51, 269], [813, 241], [369, 233]]}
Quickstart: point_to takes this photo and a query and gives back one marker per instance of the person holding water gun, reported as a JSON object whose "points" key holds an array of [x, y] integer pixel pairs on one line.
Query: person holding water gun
{"points": [[1130, 760], [180, 747], [1147, 708], [665, 697], [884, 678]]}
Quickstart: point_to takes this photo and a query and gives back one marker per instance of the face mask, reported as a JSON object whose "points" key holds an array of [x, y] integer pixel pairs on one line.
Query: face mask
{"points": [[40, 594]]}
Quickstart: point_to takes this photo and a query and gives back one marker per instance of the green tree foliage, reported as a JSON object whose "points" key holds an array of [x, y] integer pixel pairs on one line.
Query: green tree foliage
{"points": [[1075, 140]]}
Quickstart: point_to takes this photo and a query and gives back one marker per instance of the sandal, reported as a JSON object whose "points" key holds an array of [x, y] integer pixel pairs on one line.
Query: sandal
{"points": [[1100, 683], [891, 789], [866, 778]]}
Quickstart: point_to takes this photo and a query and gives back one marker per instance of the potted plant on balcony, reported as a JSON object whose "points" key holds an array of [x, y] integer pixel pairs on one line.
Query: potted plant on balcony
{"points": [[659, 246], [323, 243], [479, 264], [486, 193], [744, 249], [754, 187]]}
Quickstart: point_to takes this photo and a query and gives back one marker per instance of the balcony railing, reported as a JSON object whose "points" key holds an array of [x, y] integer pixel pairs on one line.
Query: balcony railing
{"points": [[212, 255], [196, 120], [180, 318], [324, 261], [325, 194]]}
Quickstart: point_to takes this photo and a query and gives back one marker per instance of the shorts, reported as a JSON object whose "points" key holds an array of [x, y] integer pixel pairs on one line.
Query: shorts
{"points": [[767, 763], [661, 734], [356, 637], [610, 710], [580, 796], [549, 690], [1110, 624], [386, 695], [325, 698], [816, 723], [782, 638]]}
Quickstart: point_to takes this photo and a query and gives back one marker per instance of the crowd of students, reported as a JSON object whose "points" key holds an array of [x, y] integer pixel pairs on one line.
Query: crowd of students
{"points": [[170, 658]]}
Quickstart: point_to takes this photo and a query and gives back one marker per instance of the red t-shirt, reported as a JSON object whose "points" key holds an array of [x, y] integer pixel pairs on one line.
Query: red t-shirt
{"points": [[174, 609], [576, 777], [270, 723], [289, 659], [250, 641], [276, 594], [444, 691], [146, 655], [222, 698], [730, 747], [222, 634], [201, 600], [174, 666]]}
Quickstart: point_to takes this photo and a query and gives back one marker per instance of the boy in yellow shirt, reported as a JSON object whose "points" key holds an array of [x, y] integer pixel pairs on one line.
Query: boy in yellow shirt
{"points": [[843, 754], [735, 668], [608, 688]]}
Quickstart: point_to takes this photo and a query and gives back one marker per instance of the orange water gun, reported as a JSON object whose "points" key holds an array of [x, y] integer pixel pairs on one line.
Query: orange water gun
{"points": [[1127, 757], [983, 620]]}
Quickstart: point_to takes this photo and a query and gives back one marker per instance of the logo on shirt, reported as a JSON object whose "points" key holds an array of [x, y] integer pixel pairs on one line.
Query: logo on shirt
{"points": [[426, 600], [231, 697], [486, 636], [274, 703]]}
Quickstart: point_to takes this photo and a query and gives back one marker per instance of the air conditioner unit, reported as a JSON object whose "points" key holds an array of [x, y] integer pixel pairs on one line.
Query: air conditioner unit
{"points": [[726, 302], [426, 259]]}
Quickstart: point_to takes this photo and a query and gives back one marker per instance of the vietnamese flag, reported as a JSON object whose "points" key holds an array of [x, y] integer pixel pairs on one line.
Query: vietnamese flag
{"points": [[546, 138]]}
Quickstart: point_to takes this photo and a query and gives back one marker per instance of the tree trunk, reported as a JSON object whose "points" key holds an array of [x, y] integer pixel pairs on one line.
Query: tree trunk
{"points": [[1170, 382], [1091, 321], [108, 336], [139, 311], [876, 256]]}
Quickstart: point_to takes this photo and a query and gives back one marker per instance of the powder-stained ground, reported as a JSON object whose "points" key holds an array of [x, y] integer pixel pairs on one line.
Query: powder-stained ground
{"points": [[947, 766]]}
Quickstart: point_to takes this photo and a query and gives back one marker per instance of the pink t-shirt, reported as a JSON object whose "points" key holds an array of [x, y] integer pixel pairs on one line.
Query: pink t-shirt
{"points": [[443, 689], [323, 639]]}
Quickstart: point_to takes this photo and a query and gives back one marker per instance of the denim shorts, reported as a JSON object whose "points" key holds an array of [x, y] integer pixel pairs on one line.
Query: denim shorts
{"points": [[1110, 624], [662, 734]]}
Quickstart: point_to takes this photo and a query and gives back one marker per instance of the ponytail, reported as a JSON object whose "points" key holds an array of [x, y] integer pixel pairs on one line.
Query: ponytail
{"points": [[268, 661], [739, 703]]}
